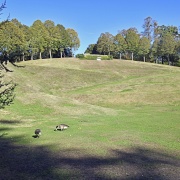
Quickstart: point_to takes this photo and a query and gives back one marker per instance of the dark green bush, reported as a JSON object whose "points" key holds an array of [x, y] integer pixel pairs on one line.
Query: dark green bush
{"points": [[93, 57], [80, 56]]}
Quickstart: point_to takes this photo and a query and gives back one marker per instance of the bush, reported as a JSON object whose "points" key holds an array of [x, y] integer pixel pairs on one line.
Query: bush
{"points": [[94, 56], [80, 56]]}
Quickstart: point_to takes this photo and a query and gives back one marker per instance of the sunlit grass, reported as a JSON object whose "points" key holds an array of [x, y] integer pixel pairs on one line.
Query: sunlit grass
{"points": [[108, 105]]}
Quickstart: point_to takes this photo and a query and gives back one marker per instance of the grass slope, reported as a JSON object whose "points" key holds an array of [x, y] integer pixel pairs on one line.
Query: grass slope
{"points": [[122, 115]]}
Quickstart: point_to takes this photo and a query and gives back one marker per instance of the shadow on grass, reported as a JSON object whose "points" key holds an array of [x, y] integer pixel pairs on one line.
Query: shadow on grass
{"points": [[27, 162], [39, 162], [9, 121], [4, 130]]}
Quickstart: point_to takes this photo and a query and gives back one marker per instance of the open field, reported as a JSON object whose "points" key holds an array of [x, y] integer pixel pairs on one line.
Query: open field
{"points": [[123, 118]]}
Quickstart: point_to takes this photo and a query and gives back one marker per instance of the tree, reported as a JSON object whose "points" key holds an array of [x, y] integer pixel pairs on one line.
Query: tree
{"points": [[154, 50], [161, 30], [74, 39], [11, 38], [149, 26], [168, 37], [144, 47], [52, 32], [105, 43], [132, 40], [25, 48], [167, 46], [6, 91], [6, 88], [120, 44], [63, 39], [91, 49], [40, 36]]}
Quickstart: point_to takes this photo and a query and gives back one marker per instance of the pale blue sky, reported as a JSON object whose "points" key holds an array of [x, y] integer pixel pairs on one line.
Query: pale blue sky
{"points": [[90, 18]]}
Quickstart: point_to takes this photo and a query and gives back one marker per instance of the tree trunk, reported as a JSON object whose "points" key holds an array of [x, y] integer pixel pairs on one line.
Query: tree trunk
{"points": [[50, 55], [120, 55], [23, 57], [40, 56], [31, 56], [168, 60], [144, 59], [61, 54], [132, 56]]}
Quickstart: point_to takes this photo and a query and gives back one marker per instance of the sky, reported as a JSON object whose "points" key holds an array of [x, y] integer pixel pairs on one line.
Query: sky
{"points": [[90, 18]]}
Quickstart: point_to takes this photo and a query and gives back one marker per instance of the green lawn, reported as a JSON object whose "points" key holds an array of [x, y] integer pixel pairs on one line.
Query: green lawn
{"points": [[122, 114]]}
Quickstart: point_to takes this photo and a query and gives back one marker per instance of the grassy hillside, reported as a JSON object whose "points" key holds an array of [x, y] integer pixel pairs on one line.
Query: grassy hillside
{"points": [[115, 110]]}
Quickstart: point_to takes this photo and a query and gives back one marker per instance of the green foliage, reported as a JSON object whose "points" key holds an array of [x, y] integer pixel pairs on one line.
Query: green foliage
{"points": [[150, 27], [120, 43], [132, 39], [144, 46], [167, 44], [6, 93], [74, 40], [11, 38], [40, 38], [80, 56], [94, 57], [91, 49], [105, 43]]}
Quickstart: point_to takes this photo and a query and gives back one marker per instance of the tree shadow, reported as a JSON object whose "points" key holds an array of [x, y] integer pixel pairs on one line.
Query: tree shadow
{"points": [[4, 130], [5, 121], [39, 162]]}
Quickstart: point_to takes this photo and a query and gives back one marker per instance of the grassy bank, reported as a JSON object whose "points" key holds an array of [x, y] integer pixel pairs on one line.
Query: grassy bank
{"points": [[115, 110]]}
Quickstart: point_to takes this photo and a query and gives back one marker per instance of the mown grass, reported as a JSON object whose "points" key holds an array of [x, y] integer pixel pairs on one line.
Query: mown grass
{"points": [[109, 105]]}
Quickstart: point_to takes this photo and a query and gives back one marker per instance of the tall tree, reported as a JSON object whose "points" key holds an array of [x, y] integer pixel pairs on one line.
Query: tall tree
{"points": [[11, 38], [63, 39], [91, 49], [120, 44], [149, 26], [105, 43], [40, 36], [52, 33], [154, 50], [132, 40], [74, 39], [167, 46], [24, 47], [161, 30], [144, 47]]}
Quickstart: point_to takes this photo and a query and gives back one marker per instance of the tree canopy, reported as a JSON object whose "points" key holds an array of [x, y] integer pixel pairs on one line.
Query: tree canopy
{"points": [[157, 43], [40, 40]]}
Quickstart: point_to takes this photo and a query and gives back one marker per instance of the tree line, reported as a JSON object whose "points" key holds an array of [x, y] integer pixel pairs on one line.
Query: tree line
{"points": [[159, 44], [19, 42]]}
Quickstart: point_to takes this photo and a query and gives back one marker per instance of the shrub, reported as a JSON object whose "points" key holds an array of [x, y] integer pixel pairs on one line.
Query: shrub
{"points": [[80, 56], [93, 56]]}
